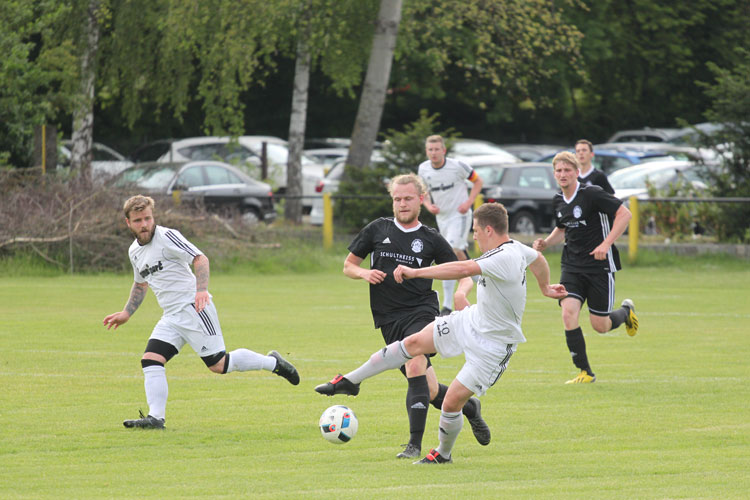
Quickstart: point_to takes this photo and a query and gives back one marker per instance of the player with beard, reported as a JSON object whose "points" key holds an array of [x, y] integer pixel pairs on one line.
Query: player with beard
{"points": [[161, 259], [402, 310]]}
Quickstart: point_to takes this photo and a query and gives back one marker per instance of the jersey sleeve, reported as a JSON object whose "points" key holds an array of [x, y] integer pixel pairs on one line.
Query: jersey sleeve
{"points": [[362, 244], [529, 254], [136, 274], [604, 201], [177, 247], [443, 250]]}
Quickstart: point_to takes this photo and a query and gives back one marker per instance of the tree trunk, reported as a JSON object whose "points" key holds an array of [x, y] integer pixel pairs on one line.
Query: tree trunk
{"points": [[293, 208], [83, 114], [372, 101]]}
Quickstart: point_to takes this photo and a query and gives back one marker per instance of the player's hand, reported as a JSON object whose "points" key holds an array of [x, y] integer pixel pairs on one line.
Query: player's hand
{"points": [[600, 252], [464, 207], [116, 319], [201, 300], [402, 273], [539, 244], [373, 276], [433, 209], [555, 291]]}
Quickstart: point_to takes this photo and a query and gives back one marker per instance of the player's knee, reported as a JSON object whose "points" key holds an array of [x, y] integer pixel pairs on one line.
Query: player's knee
{"points": [[601, 324]]}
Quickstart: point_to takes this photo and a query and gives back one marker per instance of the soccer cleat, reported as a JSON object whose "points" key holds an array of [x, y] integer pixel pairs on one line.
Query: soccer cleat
{"points": [[410, 451], [631, 322], [433, 457], [445, 311], [284, 368], [478, 426], [339, 385], [145, 422], [583, 378]]}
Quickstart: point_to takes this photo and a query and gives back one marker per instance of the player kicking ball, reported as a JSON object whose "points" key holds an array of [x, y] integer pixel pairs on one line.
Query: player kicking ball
{"points": [[487, 332]]}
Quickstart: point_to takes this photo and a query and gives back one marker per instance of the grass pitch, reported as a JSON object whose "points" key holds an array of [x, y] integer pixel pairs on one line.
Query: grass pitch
{"points": [[667, 418]]}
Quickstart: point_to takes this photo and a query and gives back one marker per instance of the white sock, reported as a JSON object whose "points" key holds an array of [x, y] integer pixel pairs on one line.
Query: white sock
{"points": [[451, 423], [448, 287], [155, 382], [242, 360], [390, 357]]}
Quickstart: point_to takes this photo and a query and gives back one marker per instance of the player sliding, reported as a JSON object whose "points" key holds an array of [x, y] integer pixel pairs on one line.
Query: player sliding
{"points": [[487, 332]]}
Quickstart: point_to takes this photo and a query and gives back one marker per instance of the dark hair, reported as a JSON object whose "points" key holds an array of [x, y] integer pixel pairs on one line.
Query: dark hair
{"points": [[494, 215], [588, 143]]}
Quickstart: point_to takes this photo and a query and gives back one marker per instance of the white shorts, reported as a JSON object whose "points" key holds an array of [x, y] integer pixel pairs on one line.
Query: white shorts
{"points": [[455, 229], [201, 330], [486, 358]]}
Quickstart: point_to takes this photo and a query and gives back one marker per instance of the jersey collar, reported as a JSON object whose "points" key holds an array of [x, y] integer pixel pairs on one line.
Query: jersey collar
{"points": [[405, 230], [569, 200]]}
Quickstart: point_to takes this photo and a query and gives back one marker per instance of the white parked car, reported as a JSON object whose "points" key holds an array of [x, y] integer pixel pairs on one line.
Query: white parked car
{"points": [[632, 181], [105, 162], [245, 152]]}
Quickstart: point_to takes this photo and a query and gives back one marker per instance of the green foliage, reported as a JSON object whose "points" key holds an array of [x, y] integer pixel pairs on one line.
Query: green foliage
{"points": [[406, 149], [677, 221]]}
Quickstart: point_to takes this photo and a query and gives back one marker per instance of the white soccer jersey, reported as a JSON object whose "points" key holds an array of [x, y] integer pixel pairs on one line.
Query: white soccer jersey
{"points": [[501, 292], [164, 264], [447, 184]]}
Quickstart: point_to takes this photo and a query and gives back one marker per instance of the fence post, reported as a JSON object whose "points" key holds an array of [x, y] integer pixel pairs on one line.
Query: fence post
{"points": [[478, 202], [327, 221], [633, 230]]}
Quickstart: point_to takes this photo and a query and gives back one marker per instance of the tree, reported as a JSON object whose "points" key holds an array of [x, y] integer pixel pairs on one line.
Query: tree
{"points": [[372, 100]]}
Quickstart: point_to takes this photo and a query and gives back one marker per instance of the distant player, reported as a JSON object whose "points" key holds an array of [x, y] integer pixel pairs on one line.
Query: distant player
{"points": [[448, 200], [487, 333], [589, 259], [588, 175], [402, 310], [161, 258]]}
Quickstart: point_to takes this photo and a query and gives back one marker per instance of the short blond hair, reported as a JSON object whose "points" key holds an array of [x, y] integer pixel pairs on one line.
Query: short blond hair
{"points": [[408, 179], [566, 157], [137, 203], [435, 138]]}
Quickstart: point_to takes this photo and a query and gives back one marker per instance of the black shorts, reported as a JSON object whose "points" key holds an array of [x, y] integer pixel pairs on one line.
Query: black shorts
{"points": [[596, 288], [405, 326]]}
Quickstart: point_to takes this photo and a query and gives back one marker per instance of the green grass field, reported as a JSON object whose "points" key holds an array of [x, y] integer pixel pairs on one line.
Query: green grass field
{"points": [[669, 415]]}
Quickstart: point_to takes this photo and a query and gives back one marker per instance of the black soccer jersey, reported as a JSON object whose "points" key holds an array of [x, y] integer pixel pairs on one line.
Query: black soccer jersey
{"points": [[586, 221], [597, 178], [389, 245]]}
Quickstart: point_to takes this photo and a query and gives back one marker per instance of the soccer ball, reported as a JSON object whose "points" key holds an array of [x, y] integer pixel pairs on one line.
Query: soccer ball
{"points": [[338, 424]]}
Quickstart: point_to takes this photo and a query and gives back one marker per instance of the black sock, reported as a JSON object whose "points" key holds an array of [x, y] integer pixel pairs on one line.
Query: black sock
{"points": [[417, 401], [438, 401], [618, 317], [577, 348]]}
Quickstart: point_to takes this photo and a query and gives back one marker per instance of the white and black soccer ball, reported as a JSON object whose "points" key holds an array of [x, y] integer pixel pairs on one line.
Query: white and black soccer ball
{"points": [[338, 424]]}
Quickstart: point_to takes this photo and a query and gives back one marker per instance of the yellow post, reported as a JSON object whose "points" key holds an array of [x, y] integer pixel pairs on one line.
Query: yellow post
{"points": [[327, 221], [478, 202], [633, 230], [177, 197]]}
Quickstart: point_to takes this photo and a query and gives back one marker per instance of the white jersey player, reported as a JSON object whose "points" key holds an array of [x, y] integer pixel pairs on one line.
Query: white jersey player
{"points": [[161, 259], [487, 333], [449, 201]]}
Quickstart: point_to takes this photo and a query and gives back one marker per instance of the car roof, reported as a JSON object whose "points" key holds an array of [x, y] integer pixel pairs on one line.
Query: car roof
{"points": [[655, 166]]}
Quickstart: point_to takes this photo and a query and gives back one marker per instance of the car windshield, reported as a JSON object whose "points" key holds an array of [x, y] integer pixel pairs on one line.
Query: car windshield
{"points": [[490, 174], [636, 179], [147, 177]]}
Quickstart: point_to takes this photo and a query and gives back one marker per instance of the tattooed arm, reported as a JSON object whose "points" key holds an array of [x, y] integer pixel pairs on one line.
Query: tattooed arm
{"points": [[201, 268], [137, 294]]}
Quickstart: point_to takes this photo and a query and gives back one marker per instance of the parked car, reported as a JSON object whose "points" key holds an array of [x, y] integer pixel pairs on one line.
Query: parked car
{"points": [[152, 151], [611, 160], [220, 187], [525, 189], [463, 148], [531, 152], [646, 134], [105, 161], [660, 151], [247, 152], [327, 156], [632, 181]]}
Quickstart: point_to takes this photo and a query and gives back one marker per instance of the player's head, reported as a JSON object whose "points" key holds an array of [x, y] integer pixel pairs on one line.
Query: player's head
{"points": [[584, 153], [139, 215], [489, 219], [434, 148], [567, 168], [407, 192]]}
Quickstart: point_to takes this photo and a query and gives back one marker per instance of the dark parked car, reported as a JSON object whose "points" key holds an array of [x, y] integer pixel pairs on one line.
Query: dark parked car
{"points": [[526, 190], [220, 187]]}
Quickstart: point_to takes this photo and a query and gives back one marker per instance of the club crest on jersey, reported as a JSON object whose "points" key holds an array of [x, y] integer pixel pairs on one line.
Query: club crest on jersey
{"points": [[577, 212], [417, 246]]}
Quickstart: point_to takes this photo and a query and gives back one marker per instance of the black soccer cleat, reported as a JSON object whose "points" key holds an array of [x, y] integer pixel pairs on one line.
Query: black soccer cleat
{"points": [[411, 451], [433, 457], [284, 368], [145, 422], [478, 426], [339, 385], [445, 311]]}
